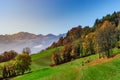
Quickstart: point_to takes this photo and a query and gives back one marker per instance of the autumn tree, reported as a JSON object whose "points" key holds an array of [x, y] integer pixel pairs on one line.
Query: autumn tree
{"points": [[1, 68], [60, 42], [12, 54], [26, 50], [7, 55], [17, 66], [74, 33], [90, 41], [106, 38], [4, 72], [118, 35], [75, 52], [86, 30], [118, 32], [1, 58], [23, 62], [65, 53], [56, 57], [11, 68], [77, 49]]}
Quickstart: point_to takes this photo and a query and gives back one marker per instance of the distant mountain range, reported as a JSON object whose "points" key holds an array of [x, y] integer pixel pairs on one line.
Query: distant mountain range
{"points": [[21, 40]]}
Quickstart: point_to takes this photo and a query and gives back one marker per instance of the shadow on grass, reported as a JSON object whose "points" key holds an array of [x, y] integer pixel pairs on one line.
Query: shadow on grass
{"points": [[44, 69], [8, 78]]}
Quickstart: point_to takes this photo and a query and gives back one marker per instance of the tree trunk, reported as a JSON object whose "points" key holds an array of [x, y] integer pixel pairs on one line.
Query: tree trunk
{"points": [[108, 53], [99, 55]]}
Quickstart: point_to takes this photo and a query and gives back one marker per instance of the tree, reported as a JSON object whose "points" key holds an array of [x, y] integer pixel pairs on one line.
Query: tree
{"points": [[65, 53], [118, 35], [26, 50], [106, 38], [60, 42], [72, 35], [4, 72], [90, 41], [1, 58], [11, 68], [8, 55], [23, 62], [1, 70], [86, 30], [56, 57], [118, 32], [19, 65], [75, 52], [85, 47]]}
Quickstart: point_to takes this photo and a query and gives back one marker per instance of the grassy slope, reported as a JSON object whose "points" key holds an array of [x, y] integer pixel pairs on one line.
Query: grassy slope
{"points": [[72, 70], [106, 71], [42, 59], [64, 71]]}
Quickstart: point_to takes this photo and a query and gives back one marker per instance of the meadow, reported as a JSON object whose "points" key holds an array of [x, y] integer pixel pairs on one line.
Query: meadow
{"points": [[78, 69]]}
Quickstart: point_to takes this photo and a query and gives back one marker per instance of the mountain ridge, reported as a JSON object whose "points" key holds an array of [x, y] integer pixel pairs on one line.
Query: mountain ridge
{"points": [[20, 40]]}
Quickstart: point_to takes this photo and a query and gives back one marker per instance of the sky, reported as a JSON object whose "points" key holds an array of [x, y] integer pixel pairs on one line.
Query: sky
{"points": [[52, 16]]}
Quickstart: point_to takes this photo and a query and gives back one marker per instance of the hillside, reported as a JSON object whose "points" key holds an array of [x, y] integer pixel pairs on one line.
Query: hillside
{"points": [[46, 71], [76, 56], [86, 50], [79, 69], [42, 59], [79, 32], [59, 40]]}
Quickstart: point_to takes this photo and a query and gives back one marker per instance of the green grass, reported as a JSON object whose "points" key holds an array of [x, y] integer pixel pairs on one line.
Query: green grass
{"points": [[42, 59], [72, 70], [106, 71], [116, 50], [63, 71]]}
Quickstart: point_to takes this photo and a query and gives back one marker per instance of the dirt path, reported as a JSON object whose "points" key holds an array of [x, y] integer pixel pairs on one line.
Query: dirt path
{"points": [[103, 60]]}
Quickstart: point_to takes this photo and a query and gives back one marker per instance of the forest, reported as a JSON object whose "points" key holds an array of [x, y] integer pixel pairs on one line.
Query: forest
{"points": [[84, 41]]}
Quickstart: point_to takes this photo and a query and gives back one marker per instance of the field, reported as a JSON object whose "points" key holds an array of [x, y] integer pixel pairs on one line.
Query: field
{"points": [[57, 72], [79, 69]]}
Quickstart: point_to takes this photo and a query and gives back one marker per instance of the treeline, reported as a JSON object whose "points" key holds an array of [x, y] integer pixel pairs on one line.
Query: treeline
{"points": [[79, 48], [7, 55], [81, 42], [72, 35], [17, 65]]}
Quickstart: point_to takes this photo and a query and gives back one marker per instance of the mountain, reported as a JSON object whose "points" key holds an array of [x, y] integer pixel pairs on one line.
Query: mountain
{"points": [[21, 40]]}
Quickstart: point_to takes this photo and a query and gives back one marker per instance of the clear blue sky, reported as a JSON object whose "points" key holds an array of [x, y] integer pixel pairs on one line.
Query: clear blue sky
{"points": [[51, 16]]}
